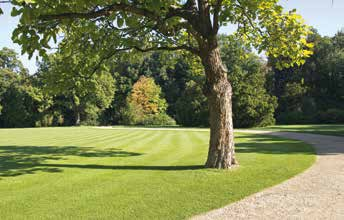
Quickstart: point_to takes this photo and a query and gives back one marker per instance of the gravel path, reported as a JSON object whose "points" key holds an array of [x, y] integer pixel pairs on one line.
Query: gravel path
{"points": [[318, 193]]}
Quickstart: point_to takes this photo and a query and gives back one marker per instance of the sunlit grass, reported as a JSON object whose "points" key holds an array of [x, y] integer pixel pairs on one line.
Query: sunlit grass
{"points": [[89, 173], [336, 130]]}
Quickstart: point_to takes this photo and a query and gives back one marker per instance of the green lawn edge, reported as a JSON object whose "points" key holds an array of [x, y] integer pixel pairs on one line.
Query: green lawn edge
{"points": [[177, 193]]}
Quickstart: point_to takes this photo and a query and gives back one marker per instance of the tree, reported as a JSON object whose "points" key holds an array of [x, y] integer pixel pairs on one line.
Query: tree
{"points": [[328, 85], [306, 93], [10, 62], [145, 104], [21, 103], [125, 73], [10, 69], [145, 96], [170, 72], [193, 25], [87, 95]]}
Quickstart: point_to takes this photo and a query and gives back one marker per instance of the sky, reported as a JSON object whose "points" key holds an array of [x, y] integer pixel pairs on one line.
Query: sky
{"points": [[321, 14]]}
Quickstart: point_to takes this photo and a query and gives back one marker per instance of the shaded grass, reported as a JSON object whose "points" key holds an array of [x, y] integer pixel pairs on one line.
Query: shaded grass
{"points": [[86, 173], [335, 130]]}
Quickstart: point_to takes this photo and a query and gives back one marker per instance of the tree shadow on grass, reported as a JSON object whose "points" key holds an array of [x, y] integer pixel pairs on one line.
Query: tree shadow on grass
{"points": [[125, 167], [332, 130], [264, 144], [20, 160]]}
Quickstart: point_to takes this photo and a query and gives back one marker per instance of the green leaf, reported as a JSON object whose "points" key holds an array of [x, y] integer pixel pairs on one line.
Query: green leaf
{"points": [[120, 22], [16, 12]]}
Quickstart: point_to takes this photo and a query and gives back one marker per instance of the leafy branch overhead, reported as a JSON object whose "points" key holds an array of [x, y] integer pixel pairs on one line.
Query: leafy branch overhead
{"points": [[160, 25]]}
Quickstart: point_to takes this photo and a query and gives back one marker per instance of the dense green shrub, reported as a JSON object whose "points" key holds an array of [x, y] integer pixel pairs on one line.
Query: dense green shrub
{"points": [[293, 117], [47, 120], [161, 119], [331, 116], [130, 117]]}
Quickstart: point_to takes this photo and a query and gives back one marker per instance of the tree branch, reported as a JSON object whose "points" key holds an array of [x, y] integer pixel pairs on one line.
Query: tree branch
{"points": [[114, 52], [131, 8], [249, 19], [106, 11], [190, 4], [216, 15], [181, 47], [188, 14], [103, 59]]}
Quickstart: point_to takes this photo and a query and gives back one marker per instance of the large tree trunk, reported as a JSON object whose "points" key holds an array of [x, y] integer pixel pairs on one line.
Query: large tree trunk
{"points": [[76, 109], [218, 90], [77, 119]]}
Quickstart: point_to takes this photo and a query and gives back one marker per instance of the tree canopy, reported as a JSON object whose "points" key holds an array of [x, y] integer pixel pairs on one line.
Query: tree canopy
{"points": [[67, 78], [145, 104], [313, 92], [21, 103], [109, 26]]}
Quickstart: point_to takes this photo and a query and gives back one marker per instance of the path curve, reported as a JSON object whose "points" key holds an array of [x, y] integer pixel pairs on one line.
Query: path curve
{"points": [[317, 193]]}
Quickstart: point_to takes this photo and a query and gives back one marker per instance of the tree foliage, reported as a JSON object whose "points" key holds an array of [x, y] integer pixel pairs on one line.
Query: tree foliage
{"points": [[145, 104], [145, 96], [308, 93], [253, 106], [159, 25], [192, 107], [21, 103], [87, 94]]}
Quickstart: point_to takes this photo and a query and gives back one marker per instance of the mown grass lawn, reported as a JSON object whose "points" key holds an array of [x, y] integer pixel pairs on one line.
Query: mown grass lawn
{"points": [[90, 173], [336, 130]]}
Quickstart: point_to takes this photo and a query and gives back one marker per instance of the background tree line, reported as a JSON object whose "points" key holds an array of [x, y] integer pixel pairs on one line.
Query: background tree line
{"points": [[164, 88], [313, 92]]}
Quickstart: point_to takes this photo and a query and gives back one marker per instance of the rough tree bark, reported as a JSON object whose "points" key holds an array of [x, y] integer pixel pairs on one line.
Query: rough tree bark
{"points": [[77, 118], [218, 90], [76, 109]]}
